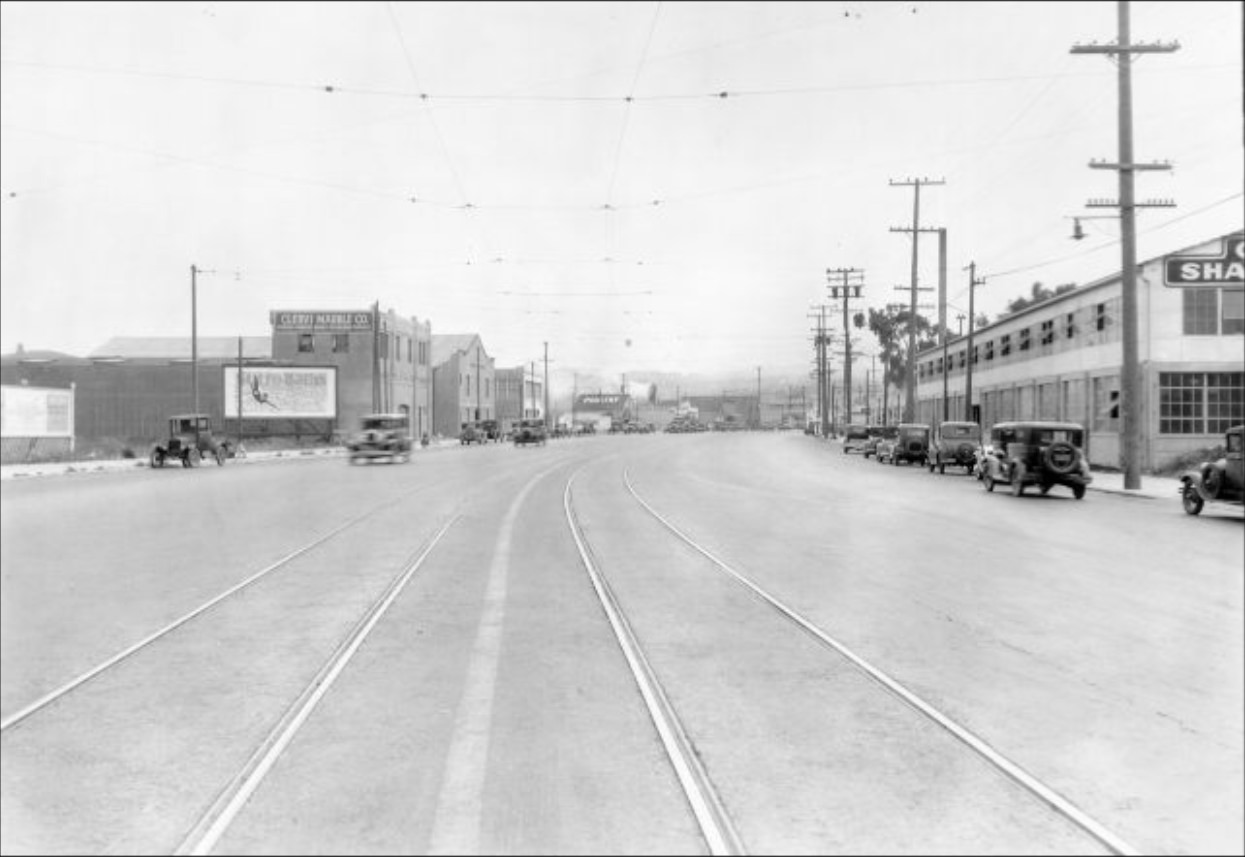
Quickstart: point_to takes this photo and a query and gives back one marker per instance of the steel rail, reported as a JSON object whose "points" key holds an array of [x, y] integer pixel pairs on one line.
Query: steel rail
{"points": [[1012, 770], [706, 806], [82, 679], [213, 824]]}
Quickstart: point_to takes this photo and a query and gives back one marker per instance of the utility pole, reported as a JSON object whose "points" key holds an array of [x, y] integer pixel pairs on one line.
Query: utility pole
{"points": [[821, 341], [959, 321], [973, 283], [1130, 374], [909, 407], [194, 347], [546, 390], [758, 397], [942, 321], [850, 281]]}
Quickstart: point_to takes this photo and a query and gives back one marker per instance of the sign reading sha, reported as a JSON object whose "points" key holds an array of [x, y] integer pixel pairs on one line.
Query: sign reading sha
{"points": [[1225, 269]]}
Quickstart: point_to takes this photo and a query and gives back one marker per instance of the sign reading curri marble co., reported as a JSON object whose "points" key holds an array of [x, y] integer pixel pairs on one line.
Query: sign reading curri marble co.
{"points": [[322, 321]]}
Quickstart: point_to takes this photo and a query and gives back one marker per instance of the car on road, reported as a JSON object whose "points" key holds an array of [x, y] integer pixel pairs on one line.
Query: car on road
{"points": [[530, 431], [190, 440], [1218, 481], [877, 434], [380, 436], [955, 443], [491, 430], [909, 444], [1044, 454], [855, 437], [471, 433]]}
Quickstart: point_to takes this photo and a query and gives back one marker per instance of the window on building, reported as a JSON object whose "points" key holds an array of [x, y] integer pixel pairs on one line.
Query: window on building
{"points": [[963, 360], [1233, 311], [1200, 402], [306, 343], [1069, 325], [1201, 312], [341, 343], [1225, 401], [1024, 339], [976, 354], [1100, 317], [1005, 345], [990, 350], [1048, 332], [1107, 403]]}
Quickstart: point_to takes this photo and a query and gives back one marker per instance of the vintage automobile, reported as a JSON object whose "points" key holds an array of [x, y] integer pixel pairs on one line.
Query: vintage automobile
{"points": [[471, 433], [910, 444], [530, 431], [381, 436], [491, 429], [855, 437], [1219, 481], [954, 443], [877, 434], [1044, 454], [190, 439]]}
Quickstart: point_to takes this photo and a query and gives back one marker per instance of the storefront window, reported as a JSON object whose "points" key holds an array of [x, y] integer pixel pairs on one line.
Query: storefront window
{"points": [[1201, 312]]}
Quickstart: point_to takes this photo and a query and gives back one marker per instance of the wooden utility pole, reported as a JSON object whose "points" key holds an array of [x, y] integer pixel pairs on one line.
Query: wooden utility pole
{"points": [[846, 283], [909, 408], [1130, 374], [821, 341], [973, 283]]}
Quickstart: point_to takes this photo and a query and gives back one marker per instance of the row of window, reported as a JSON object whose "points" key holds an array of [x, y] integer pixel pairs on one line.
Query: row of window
{"points": [[339, 343], [1189, 403], [1206, 312]]}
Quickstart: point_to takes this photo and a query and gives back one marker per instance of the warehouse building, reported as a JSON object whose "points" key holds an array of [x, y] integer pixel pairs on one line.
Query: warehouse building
{"points": [[1061, 359]]}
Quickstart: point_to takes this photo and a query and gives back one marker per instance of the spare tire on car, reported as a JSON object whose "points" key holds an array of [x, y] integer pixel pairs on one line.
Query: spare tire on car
{"points": [[1060, 457]]}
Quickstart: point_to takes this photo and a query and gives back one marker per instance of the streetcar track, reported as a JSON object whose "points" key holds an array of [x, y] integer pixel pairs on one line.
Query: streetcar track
{"points": [[73, 684], [1013, 771], [212, 825], [707, 807]]}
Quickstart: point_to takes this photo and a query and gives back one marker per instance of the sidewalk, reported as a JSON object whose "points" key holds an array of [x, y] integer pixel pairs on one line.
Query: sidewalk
{"points": [[61, 468], [1152, 487]]}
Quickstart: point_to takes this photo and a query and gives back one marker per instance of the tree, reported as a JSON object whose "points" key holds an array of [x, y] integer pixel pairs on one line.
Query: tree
{"points": [[891, 327], [1038, 293]]}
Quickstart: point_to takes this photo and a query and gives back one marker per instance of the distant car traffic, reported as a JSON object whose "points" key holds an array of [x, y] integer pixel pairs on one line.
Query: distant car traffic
{"points": [[1219, 481], [471, 433], [380, 436], [877, 434], [909, 444], [855, 438], [530, 431]]}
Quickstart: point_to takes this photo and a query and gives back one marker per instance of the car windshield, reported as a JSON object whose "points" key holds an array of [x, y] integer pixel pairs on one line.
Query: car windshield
{"points": [[1234, 443], [382, 424], [961, 431]]}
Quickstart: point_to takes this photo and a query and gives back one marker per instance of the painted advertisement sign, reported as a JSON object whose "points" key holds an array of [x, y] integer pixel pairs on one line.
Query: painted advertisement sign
{"points": [[282, 392], [342, 321], [1224, 269], [36, 412]]}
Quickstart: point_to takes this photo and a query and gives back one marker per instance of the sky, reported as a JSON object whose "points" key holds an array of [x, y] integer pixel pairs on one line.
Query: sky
{"points": [[646, 187]]}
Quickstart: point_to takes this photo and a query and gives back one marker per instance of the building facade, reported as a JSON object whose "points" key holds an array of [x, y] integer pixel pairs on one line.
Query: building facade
{"points": [[520, 396], [1062, 359], [462, 382], [383, 360]]}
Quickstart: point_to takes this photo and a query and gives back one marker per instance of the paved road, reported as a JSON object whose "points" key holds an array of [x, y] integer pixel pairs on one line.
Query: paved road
{"points": [[417, 660]]}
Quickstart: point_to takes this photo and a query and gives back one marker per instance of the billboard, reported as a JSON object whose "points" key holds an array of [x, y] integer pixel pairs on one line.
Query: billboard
{"points": [[282, 392], [1226, 268], [36, 412]]}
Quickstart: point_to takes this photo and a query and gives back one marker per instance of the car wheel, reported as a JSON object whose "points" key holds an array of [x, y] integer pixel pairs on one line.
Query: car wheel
{"points": [[1045, 488], [1191, 500], [1018, 480], [157, 458], [1212, 481], [1078, 491], [988, 480], [221, 455], [194, 457]]}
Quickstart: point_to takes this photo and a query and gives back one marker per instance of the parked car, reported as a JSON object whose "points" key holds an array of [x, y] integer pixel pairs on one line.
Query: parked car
{"points": [[471, 433], [1044, 454], [190, 439], [876, 435], [855, 436], [491, 430], [530, 431], [381, 436], [1219, 481], [909, 444], [955, 443]]}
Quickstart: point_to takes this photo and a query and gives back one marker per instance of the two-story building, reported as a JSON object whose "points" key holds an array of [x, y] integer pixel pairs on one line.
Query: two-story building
{"points": [[520, 396], [462, 382], [383, 360], [1062, 359]]}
